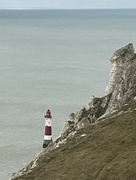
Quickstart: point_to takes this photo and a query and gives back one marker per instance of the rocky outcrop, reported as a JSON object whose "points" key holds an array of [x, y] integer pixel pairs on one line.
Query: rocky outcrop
{"points": [[94, 109], [121, 89], [122, 81]]}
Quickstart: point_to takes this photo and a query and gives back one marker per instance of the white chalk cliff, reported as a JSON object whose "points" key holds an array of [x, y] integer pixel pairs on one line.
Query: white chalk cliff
{"points": [[122, 81], [121, 89]]}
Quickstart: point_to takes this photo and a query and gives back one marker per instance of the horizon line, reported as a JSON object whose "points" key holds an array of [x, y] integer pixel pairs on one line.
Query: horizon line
{"points": [[65, 8]]}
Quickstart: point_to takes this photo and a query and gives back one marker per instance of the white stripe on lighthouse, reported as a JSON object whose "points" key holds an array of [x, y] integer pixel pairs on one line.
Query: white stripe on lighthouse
{"points": [[47, 137], [47, 122]]}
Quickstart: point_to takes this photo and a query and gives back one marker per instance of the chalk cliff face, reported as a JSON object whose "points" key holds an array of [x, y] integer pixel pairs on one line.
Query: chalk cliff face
{"points": [[121, 89], [122, 81]]}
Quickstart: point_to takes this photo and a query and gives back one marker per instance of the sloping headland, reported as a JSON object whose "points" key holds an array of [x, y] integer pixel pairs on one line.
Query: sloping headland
{"points": [[99, 141]]}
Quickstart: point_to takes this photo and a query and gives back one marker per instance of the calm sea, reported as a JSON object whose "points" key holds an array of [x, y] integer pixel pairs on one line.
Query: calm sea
{"points": [[53, 59]]}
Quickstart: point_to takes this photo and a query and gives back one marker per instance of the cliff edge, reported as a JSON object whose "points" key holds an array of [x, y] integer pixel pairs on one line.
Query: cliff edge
{"points": [[121, 89], [98, 142]]}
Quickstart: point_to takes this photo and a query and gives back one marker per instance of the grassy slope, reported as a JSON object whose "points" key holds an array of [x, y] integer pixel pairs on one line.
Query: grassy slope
{"points": [[107, 152]]}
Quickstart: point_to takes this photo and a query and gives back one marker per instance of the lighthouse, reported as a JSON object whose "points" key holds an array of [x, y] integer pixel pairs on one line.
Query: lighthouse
{"points": [[48, 129]]}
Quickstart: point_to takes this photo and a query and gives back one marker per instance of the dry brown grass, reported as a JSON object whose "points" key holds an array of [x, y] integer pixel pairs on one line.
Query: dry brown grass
{"points": [[107, 152]]}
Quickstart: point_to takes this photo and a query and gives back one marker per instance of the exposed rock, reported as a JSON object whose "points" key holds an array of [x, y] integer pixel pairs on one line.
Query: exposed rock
{"points": [[118, 60], [122, 81], [87, 115], [120, 90]]}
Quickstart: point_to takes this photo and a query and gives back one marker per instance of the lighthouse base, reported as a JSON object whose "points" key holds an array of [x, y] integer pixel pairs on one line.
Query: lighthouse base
{"points": [[46, 143]]}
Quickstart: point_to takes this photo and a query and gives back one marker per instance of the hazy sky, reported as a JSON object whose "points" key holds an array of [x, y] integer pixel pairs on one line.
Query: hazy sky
{"points": [[67, 4]]}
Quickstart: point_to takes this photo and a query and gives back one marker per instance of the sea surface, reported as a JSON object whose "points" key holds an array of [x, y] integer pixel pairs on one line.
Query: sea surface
{"points": [[55, 59]]}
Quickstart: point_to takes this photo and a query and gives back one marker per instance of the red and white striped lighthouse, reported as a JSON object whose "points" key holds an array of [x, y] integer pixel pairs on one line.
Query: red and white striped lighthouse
{"points": [[48, 129]]}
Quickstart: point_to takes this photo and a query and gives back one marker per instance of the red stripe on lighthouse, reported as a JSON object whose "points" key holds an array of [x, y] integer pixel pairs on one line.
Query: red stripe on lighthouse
{"points": [[48, 130]]}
